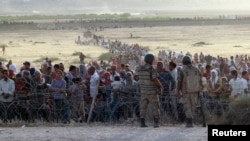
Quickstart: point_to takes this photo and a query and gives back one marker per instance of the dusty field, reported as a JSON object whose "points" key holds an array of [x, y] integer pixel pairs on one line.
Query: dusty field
{"points": [[32, 44], [221, 40]]}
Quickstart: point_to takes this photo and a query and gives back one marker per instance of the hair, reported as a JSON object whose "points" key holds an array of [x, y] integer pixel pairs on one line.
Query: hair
{"points": [[48, 68], [72, 67], [60, 71], [37, 72], [208, 66], [130, 73], [26, 72], [61, 66], [160, 62], [113, 66], [234, 72], [91, 69], [18, 75], [77, 79], [5, 70], [173, 64], [117, 78], [244, 73], [56, 66]]}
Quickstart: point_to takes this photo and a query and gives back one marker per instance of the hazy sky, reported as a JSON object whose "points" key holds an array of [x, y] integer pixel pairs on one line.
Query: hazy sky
{"points": [[57, 6]]}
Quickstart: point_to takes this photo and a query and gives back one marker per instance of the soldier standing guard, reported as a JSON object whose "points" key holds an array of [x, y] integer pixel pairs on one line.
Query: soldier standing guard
{"points": [[149, 84], [189, 87]]}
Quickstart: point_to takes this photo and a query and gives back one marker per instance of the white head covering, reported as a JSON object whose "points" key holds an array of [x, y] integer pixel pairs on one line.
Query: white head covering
{"points": [[232, 68], [216, 77]]}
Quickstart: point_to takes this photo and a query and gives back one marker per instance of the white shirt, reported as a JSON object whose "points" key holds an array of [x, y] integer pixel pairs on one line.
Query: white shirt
{"points": [[116, 85], [245, 84], [132, 64], [112, 77], [93, 84], [7, 87], [213, 62], [13, 68], [174, 74], [237, 86]]}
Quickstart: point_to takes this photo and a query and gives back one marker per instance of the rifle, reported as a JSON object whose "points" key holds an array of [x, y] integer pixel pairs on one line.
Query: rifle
{"points": [[202, 112]]}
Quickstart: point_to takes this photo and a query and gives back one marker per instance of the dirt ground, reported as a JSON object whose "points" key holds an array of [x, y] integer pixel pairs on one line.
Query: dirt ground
{"points": [[103, 133]]}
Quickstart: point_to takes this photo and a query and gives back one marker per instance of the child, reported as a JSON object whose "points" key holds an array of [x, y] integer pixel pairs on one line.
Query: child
{"points": [[77, 91], [116, 86]]}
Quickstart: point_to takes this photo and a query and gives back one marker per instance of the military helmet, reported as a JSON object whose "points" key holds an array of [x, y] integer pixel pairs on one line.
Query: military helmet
{"points": [[149, 57], [186, 59]]}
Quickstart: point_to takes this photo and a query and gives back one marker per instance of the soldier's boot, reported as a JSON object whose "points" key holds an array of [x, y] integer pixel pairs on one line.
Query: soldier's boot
{"points": [[189, 122], [156, 122], [143, 123]]}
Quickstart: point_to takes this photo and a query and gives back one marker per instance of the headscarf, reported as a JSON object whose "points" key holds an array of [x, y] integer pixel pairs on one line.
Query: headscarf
{"points": [[215, 79]]}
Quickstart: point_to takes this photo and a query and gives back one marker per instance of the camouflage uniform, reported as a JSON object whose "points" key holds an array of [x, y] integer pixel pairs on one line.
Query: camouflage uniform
{"points": [[190, 100], [148, 90]]}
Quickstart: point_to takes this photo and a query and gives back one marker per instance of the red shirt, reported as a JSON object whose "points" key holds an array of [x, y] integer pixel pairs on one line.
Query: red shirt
{"points": [[207, 75]]}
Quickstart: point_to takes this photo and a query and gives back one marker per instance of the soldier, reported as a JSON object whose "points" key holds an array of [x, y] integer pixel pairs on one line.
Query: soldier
{"points": [[189, 87], [149, 84]]}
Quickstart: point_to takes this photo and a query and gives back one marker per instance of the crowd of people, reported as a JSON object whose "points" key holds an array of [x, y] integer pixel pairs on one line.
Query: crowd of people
{"points": [[120, 87]]}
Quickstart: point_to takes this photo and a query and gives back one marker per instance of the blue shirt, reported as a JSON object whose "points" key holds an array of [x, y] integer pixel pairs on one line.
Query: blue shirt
{"points": [[167, 81], [61, 84]]}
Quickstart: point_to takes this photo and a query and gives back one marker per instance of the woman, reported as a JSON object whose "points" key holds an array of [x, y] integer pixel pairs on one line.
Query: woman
{"points": [[215, 89], [58, 88], [204, 90]]}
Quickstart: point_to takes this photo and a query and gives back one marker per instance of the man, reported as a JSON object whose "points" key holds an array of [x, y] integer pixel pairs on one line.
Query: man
{"points": [[71, 74], [7, 89], [131, 89], [77, 91], [26, 66], [38, 84], [12, 67], [236, 85], [149, 83], [94, 78], [189, 87], [172, 69], [168, 99], [207, 74], [113, 73], [245, 80]]}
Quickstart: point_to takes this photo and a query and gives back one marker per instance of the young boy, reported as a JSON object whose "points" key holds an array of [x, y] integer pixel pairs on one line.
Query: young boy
{"points": [[77, 91]]}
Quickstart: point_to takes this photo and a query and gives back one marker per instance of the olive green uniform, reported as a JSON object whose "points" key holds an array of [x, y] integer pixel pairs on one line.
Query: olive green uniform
{"points": [[190, 100], [148, 90]]}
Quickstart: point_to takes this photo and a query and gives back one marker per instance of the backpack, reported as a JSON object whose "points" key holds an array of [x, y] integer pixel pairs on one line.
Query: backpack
{"points": [[192, 79]]}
